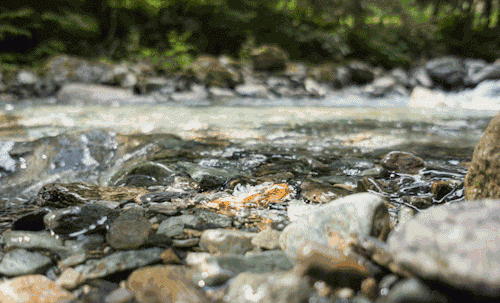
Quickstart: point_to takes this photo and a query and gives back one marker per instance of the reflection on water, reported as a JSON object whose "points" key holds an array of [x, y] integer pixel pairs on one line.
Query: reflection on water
{"points": [[364, 127]]}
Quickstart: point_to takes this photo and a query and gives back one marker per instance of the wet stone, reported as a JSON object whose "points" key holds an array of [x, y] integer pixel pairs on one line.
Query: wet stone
{"points": [[32, 240], [358, 215], [456, 244], [208, 177], [223, 241], [22, 262], [402, 162], [413, 290], [279, 287], [332, 265], [61, 195], [322, 193], [146, 174], [119, 261], [78, 220], [33, 288], [267, 239], [174, 226], [215, 270], [163, 284], [129, 231]]}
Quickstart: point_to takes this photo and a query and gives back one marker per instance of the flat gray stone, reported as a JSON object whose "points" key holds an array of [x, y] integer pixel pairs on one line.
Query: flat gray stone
{"points": [[91, 94], [224, 241], [22, 262], [360, 215], [279, 287], [218, 269], [119, 261], [174, 226], [458, 244]]}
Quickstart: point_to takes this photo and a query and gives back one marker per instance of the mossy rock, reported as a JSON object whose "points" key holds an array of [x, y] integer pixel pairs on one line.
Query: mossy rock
{"points": [[483, 178], [211, 72], [269, 58]]}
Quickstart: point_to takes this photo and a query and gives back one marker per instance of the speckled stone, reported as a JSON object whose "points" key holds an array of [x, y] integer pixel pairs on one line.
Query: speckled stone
{"points": [[483, 178], [33, 288], [164, 284], [458, 244], [224, 241], [358, 215]]}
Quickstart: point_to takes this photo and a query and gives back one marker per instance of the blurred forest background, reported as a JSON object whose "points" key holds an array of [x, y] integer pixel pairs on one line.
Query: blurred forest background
{"points": [[385, 33]]}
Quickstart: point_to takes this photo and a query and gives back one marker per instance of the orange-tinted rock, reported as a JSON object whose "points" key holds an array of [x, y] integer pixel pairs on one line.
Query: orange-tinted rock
{"points": [[33, 289], [164, 284]]}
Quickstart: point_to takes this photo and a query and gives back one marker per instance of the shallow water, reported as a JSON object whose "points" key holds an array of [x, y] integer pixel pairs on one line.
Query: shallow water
{"points": [[367, 127]]}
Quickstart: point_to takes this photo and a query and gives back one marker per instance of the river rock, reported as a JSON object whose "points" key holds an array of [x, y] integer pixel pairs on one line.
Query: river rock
{"points": [[361, 72], [413, 290], [380, 87], [483, 178], [32, 240], [269, 58], [174, 226], [145, 174], [78, 94], [279, 287], [119, 261], [267, 239], [207, 177], [211, 72], [332, 265], [223, 241], [358, 215], [79, 220], [489, 72], [71, 194], [474, 69], [402, 162], [22, 262], [457, 244], [322, 193], [163, 284], [33, 288], [129, 231], [215, 270], [420, 77], [253, 90], [447, 71]]}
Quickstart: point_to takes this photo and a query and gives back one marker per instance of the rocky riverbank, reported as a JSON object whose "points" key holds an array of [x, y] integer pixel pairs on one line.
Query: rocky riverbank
{"points": [[269, 75], [305, 212]]}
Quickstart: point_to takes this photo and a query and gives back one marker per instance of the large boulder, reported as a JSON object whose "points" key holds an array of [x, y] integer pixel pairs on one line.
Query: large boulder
{"points": [[456, 244], [449, 72], [269, 58], [483, 178], [211, 72], [361, 72]]}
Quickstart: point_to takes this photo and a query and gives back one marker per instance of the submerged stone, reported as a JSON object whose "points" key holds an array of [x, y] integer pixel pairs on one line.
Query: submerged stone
{"points": [[79, 220]]}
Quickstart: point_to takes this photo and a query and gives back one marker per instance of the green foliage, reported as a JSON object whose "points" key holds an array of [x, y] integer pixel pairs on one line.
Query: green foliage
{"points": [[387, 32], [177, 57]]}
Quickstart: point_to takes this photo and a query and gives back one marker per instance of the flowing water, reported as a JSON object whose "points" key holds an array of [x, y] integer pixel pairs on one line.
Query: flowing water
{"points": [[347, 139]]}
